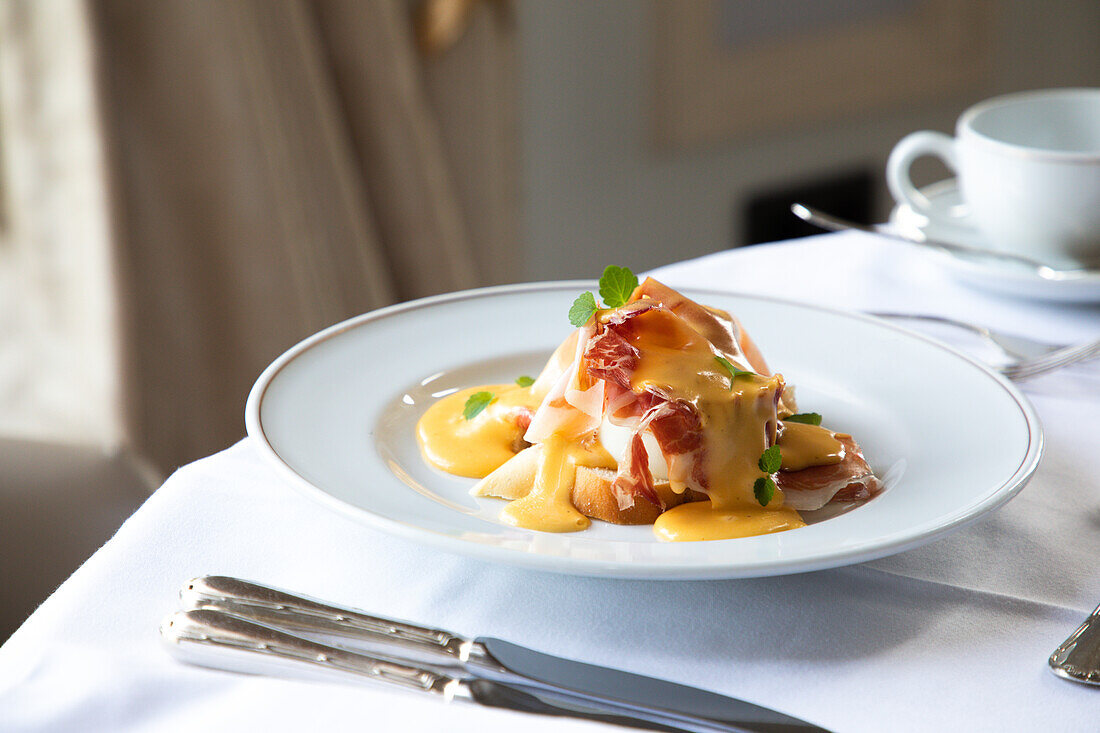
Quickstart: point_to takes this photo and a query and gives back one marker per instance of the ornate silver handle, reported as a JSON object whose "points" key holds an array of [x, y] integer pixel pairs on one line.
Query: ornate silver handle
{"points": [[220, 640], [1078, 658], [237, 625], [310, 616]]}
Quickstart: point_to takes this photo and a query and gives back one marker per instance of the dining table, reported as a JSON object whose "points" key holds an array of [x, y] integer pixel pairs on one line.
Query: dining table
{"points": [[950, 635]]}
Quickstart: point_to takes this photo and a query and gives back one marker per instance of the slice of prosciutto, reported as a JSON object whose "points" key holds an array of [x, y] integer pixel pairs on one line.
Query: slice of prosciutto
{"points": [[723, 330], [611, 357], [814, 487]]}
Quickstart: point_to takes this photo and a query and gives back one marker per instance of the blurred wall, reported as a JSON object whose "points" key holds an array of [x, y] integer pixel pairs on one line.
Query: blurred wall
{"points": [[597, 191]]}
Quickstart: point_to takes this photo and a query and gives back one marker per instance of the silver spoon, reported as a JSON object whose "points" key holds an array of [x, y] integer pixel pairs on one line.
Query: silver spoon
{"points": [[836, 224]]}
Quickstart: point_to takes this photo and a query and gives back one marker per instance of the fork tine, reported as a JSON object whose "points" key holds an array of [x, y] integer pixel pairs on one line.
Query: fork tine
{"points": [[1081, 353], [1050, 362], [1042, 365]]}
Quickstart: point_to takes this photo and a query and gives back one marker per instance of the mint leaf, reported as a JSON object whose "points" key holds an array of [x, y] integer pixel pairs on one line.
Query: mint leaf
{"points": [[733, 371], [808, 418], [771, 459], [764, 490], [616, 285], [524, 381], [583, 308], [476, 403]]}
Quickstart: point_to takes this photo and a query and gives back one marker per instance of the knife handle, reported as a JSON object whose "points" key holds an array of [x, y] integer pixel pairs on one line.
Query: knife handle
{"points": [[398, 645], [302, 614], [220, 640], [1078, 657]]}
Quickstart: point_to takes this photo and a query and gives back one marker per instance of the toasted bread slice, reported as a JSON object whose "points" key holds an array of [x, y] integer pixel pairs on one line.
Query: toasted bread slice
{"points": [[593, 497]]}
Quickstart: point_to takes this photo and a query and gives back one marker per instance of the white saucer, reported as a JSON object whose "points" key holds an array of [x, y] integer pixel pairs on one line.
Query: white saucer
{"points": [[986, 273]]}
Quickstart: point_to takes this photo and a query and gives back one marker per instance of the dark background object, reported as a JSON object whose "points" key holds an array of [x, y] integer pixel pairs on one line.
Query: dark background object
{"points": [[768, 216]]}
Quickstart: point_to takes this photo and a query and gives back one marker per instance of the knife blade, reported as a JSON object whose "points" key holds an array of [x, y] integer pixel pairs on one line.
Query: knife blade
{"points": [[220, 640], [487, 658]]}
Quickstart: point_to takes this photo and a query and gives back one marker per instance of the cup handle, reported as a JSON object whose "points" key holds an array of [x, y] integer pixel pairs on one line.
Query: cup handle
{"points": [[913, 146]]}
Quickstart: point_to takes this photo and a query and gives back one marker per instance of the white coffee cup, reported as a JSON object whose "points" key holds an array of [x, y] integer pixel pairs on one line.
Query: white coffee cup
{"points": [[1028, 168]]}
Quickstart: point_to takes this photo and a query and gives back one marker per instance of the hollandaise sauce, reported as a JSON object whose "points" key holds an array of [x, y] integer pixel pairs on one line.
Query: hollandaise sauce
{"points": [[804, 446], [549, 506], [700, 520], [477, 446]]}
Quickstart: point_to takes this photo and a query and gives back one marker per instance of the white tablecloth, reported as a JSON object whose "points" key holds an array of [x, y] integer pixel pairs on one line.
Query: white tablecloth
{"points": [[951, 636]]}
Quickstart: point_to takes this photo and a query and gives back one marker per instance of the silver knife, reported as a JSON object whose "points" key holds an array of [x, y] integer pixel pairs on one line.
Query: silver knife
{"points": [[486, 658], [221, 640]]}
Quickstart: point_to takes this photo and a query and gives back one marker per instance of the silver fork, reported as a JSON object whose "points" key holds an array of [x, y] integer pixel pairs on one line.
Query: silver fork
{"points": [[1054, 360], [1013, 347], [1030, 357]]}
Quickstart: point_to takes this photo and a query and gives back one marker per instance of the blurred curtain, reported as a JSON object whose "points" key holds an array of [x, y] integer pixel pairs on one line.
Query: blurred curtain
{"points": [[58, 357], [275, 166]]}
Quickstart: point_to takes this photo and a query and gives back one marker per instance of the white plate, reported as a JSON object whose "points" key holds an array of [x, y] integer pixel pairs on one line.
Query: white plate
{"points": [[336, 414], [985, 273]]}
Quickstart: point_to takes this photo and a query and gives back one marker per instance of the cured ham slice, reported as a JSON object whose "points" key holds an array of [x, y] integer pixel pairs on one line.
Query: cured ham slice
{"points": [[633, 477], [716, 325], [569, 407], [721, 329], [814, 487], [613, 356]]}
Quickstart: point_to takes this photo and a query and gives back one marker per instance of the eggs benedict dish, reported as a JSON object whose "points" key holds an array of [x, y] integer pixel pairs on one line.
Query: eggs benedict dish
{"points": [[656, 410]]}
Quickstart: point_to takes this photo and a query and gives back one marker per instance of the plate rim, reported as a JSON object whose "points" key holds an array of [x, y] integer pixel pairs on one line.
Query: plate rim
{"points": [[582, 566]]}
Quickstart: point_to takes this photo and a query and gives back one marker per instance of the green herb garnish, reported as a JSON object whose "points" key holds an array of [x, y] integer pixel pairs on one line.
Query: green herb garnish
{"points": [[764, 489], [524, 381], [770, 460], [808, 418], [616, 285], [733, 371], [583, 308], [476, 403]]}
